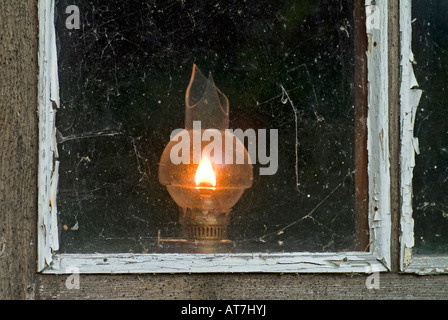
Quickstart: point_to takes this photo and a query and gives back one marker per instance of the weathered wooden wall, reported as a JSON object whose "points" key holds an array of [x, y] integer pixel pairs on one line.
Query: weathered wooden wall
{"points": [[244, 286], [18, 147], [18, 213]]}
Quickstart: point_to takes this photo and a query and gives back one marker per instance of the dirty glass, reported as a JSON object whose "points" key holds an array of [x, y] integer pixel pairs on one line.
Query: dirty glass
{"points": [[285, 65], [430, 204]]}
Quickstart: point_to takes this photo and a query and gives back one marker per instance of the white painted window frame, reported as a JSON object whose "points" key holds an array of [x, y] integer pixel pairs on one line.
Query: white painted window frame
{"points": [[377, 259], [410, 96]]}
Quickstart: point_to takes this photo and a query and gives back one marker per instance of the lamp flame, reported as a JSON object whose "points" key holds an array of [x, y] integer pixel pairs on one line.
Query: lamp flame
{"points": [[205, 174]]}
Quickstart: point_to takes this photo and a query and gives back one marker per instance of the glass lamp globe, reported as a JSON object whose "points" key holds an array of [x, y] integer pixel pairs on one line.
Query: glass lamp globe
{"points": [[204, 167]]}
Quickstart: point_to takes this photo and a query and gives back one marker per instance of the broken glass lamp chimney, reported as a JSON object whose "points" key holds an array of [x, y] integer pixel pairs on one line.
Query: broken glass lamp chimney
{"points": [[202, 166]]}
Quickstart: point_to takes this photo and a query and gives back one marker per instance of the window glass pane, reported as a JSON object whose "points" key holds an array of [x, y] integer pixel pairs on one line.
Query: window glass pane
{"points": [[285, 65], [430, 46]]}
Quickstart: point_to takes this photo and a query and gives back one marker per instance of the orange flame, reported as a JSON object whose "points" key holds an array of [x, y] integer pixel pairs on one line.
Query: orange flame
{"points": [[205, 174]]}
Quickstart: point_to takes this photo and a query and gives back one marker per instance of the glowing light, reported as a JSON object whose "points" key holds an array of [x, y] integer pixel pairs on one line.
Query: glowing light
{"points": [[205, 174]]}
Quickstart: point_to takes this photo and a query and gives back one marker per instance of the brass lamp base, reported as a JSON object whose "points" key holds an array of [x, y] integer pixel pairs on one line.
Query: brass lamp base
{"points": [[203, 231], [200, 224]]}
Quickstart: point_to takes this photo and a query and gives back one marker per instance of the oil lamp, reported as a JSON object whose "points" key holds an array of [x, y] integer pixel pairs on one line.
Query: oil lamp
{"points": [[204, 167]]}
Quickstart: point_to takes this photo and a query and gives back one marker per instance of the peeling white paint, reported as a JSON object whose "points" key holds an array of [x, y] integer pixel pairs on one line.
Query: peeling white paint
{"points": [[410, 95], [48, 98], [425, 265], [351, 262], [407, 257], [53, 234], [378, 136], [409, 100]]}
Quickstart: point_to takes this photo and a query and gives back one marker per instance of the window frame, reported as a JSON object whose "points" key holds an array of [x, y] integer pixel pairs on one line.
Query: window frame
{"points": [[410, 96], [376, 257]]}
